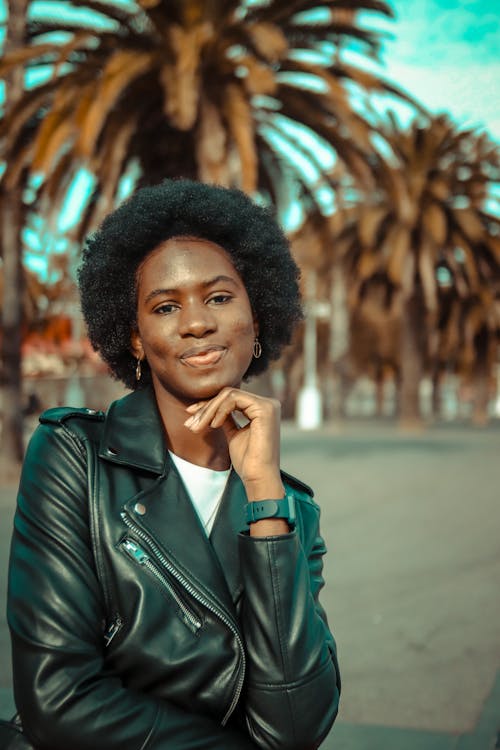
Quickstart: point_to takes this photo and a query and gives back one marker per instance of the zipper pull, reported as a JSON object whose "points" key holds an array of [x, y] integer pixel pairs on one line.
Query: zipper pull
{"points": [[112, 630], [134, 551]]}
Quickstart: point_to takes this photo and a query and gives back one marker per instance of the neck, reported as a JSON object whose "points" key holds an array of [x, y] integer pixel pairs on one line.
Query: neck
{"points": [[207, 449]]}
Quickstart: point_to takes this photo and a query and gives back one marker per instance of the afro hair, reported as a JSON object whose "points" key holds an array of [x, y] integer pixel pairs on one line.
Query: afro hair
{"points": [[249, 234]]}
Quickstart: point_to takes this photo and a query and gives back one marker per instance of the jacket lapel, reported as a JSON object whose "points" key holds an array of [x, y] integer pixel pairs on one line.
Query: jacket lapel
{"points": [[133, 433]]}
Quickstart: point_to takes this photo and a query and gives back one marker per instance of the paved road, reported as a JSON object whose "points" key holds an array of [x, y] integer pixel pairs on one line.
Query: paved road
{"points": [[413, 571]]}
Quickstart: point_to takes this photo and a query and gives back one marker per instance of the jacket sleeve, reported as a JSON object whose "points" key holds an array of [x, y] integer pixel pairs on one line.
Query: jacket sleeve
{"points": [[64, 694], [293, 682]]}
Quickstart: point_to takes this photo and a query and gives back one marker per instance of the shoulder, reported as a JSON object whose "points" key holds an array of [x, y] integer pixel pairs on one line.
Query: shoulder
{"points": [[307, 510], [301, 490], [61, 414], [58, 449], [82, 424]]}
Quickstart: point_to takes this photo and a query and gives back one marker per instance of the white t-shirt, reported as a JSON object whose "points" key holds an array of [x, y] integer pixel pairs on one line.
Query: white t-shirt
{"points": [[204, 486]]}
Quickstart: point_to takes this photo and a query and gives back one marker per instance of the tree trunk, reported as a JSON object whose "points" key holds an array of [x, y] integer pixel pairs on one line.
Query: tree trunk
{"points": [[12, 427], [413, 325], [482, 373], [10, 227]]}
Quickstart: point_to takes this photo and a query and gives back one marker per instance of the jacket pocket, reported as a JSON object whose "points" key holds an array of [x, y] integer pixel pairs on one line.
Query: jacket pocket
{"points": [[143, 558]]}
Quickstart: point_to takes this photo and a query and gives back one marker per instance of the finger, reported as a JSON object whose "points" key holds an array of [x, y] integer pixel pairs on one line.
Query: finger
{"points": [[248, 404], [230, 427], [224, 412], [197, 411], [227, 401], [214, 409], [201, 414], [192, 408]]}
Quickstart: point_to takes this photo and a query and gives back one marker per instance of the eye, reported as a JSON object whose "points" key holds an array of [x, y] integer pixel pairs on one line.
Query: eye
{"points": [[166, 308], [221, 299]]}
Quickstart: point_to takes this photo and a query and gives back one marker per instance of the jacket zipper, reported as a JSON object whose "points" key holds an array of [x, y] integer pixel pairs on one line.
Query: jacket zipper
{"points": [[113, 629], [196, 596], [141, 556]]}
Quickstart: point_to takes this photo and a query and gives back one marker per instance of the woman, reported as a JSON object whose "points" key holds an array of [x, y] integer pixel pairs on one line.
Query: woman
{"points": [[164, 574]]}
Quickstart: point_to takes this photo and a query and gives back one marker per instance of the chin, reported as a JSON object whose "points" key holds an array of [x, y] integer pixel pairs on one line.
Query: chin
{"points": [[201, 388], [210, 389]]}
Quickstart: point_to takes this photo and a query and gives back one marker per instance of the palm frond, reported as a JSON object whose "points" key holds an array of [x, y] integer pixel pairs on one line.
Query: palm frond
{"points": [[241, 126], [122, 68], [191, 70]]}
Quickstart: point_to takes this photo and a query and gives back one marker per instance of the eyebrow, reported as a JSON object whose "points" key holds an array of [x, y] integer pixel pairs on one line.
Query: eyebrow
{"points": [[205, 284]]}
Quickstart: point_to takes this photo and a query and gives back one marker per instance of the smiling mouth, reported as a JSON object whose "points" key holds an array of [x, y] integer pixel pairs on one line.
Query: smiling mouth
{"points": [[204, 357]]}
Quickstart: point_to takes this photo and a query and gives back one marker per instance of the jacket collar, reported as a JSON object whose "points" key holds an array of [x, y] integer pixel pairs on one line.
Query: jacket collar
{"points": [[133, 433]]}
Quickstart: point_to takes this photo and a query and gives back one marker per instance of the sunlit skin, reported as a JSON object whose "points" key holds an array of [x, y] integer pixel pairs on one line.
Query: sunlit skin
{"points": [[196, 330]]}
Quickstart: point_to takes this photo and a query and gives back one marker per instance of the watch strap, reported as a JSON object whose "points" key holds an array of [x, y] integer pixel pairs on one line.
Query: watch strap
{"points": [[284, 507]]}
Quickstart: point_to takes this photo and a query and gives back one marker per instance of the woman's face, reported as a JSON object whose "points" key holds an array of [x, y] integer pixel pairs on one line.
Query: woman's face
{"points": [[195, 324]]}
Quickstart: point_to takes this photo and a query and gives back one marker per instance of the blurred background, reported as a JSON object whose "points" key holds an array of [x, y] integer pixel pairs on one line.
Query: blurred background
{"points": [[372, 129]]}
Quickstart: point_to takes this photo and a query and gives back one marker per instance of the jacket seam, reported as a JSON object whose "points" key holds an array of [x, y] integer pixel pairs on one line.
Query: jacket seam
{"points": [[277, 605], [96, 530], [86, 446], [151, 731], [283, 650], [296, 683], [75, 438]]}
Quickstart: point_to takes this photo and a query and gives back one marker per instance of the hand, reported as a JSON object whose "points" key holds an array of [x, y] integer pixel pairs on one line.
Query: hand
{"points": [[254, 448]]}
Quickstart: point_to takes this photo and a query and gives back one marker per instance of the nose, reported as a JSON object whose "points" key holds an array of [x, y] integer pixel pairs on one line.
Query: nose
{"points": [[196, 319]]}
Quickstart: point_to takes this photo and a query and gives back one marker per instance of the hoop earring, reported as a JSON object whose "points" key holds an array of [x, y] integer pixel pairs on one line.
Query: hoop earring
{"points": [[138, 369], [257, 348]]}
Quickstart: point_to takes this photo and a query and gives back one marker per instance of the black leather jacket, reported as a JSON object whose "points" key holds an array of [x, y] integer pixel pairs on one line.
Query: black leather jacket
{"points": [[131, 629]]}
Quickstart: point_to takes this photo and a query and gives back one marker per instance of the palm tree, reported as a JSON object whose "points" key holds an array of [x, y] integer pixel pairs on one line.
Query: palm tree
{"points": [[218, 90], [428, 227], [468, 337], [11, 219]]}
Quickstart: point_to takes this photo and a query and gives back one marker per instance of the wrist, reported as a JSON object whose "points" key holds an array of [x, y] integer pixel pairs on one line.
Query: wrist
{"points": [[269, 527], [271, 509], [271, 487]]}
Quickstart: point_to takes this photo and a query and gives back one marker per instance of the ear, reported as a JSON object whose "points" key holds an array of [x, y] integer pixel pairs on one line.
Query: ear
{"points": [[136, 345]]}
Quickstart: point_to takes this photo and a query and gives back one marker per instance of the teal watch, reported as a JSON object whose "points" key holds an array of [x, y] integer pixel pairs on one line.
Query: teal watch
{"points": [[284, 508]]}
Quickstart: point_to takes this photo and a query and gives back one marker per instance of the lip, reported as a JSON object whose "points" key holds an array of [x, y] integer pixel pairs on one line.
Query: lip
{"points": [[203, 356]]}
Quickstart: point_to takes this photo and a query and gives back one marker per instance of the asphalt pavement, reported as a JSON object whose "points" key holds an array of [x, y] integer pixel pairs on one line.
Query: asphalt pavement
{"points": [[412, 524]]}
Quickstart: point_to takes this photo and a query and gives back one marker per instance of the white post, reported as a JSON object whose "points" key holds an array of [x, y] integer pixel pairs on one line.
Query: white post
{"points": [[309, 406]]}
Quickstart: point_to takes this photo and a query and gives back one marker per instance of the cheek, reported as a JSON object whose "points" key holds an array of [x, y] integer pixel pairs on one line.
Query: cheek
{"points": [[157, 341], [245, 328]]}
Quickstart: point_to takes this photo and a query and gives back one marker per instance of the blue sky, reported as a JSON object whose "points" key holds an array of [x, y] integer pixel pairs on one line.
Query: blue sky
{"points": [[446, 53]]}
